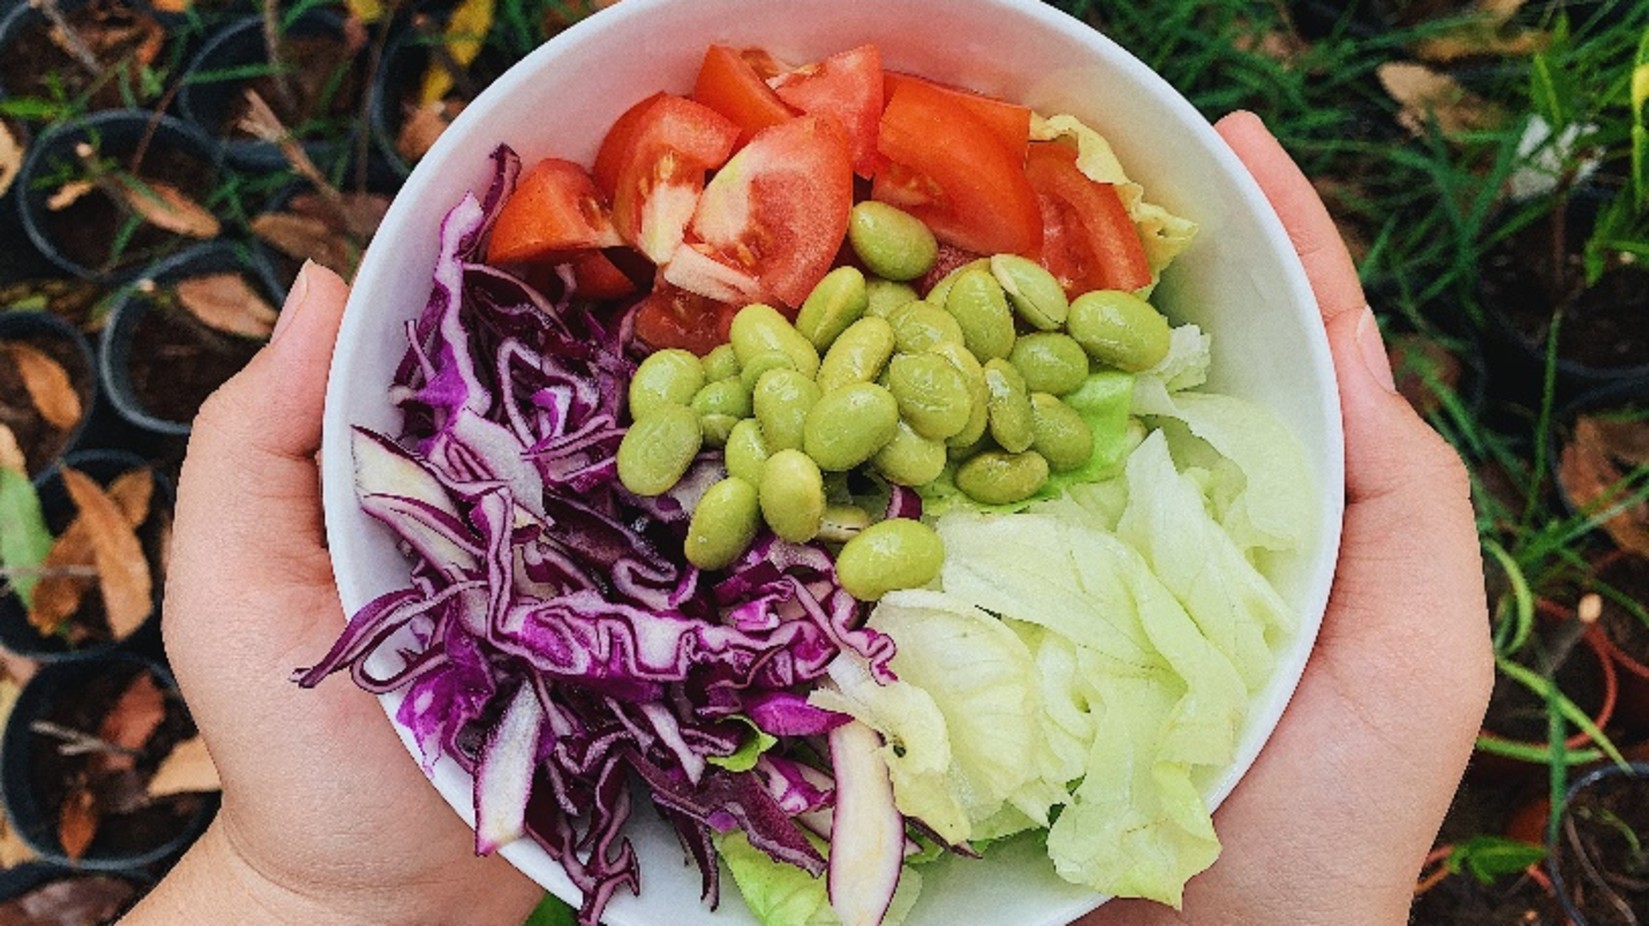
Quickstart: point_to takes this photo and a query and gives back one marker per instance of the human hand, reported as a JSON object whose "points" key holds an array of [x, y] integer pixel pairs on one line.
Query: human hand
{"points": [[1332, 822], [326, 818]]}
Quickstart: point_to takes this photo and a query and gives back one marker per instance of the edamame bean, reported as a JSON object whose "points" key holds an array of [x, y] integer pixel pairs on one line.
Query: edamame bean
{"points": [[883, 296], [918, 326], [792, 495], [1062, 437], [998, 478], [941, 290], [848, 425], [782, 400], [910, 459], [757, 328], [842, 522], [894, 244], [1050, 362], [978, 396], [889, 555], [1009, 405], [723, 397], [746, 451], [720, 363], [723, 524], [665, 376], [858, 356], [767, 360], [657, 449], [932, 395], [839, 300], [981, 308], [1119, 329], [1033, 291], [718, 428]]}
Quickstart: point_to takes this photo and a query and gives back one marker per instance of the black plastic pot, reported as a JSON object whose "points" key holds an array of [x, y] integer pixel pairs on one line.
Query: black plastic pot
{"points": [[36, 327], [1569, 876], [120, 343], [21, 19], [212, 91], [16, 633], [379, 177], [19, 880], [28, 804], [406, 58], [115, 134], [1603, 398], [19, 259]]}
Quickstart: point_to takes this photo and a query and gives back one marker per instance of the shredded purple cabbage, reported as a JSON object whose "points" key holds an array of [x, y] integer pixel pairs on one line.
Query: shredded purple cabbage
{"points": [[552, 640]]}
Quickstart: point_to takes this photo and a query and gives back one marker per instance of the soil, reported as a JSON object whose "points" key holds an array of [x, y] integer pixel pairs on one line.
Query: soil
{"points": [[129, 824], [120, 37], [1461, 900], [41, 442], [326, 87], [87, 229], [1629, 576], [1596, 823], [1518, 714], [176, 362]]}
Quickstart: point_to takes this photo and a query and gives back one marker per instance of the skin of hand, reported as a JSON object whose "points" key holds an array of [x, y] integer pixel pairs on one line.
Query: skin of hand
{"points": [[326, 818], [1332, 822]]}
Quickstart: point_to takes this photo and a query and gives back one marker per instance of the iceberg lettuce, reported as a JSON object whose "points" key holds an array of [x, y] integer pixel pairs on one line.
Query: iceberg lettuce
{"points": [[784, 895]]}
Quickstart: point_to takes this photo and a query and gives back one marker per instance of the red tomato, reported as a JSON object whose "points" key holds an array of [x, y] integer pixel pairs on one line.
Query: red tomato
{"points": [[847, 86], [1089, 242], [555, 208], [951, 173], [729, 85], [778, 210], [948, 259], [615, 146], [671, 317], [1009, 123], [661, 171], [596, 277]]}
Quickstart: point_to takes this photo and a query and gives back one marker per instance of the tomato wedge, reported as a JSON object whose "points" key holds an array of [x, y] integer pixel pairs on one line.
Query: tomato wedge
{"points": [[728, 84], [672, 317], [950, 172], [615, 145], [555, 208], [597, 277], [661, 155], [778, 210], [1089, 241], [1009, 123], [848, 86]]}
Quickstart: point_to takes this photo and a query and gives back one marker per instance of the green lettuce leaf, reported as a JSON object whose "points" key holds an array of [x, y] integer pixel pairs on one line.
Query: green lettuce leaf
{"points": [[744, 758], [784, 895], [24, 539]]}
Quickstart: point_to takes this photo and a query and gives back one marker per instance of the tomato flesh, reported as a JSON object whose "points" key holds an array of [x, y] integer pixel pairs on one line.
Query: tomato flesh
{"points": [[1009, 123], [597, 277], [849, 87], [729, 85], [555, 208], [661, 173], [616, 144], [1089, 241], [670, 317]]}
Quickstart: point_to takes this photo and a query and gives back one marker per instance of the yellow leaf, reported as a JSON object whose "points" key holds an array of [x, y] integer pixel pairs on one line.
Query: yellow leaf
{"points": [[367, 11], [466, 30]]}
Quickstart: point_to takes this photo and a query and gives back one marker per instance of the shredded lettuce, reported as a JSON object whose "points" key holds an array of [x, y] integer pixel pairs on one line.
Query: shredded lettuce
{"points": [[784, 895]]}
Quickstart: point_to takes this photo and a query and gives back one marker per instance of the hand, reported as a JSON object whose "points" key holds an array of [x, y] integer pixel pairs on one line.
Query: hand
{"points": [[326, 818], [1334, 819]]}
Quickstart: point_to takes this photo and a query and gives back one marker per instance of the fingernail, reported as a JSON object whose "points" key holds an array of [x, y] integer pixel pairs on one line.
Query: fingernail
{"points": [[294, 301], [1374, 351]]}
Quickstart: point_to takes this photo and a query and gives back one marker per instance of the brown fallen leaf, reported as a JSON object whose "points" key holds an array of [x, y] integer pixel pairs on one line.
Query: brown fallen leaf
{"points": [[11, 157], [172, 6], [1425, 94], [188, 768], [1476, 39], [422, 126], [70, 901], [13, 850], [77, 820], [226, 302], [304, 237], [1594, 476], [356, 214], [167, 207], [135, 717], [63, 581], [68, 194], [11, 455], [48, 384], [1424, 370], [122, 570]]}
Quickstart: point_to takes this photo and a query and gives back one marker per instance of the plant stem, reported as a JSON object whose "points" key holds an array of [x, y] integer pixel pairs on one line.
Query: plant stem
{"points": [[272, 43], [77, 47], [77, 743]]}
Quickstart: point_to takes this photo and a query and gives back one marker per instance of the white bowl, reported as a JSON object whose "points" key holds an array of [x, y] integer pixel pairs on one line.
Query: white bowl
{"points": [[1241, 281]]}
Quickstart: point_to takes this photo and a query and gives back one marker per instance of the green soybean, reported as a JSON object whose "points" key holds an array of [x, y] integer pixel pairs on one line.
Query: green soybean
{"points": [[932, 395], [1061, 436], [717, 428], [858, 356], [665, 376], [941, 290], [1034, 293], [723, 524], [1009, 405], [839, 300], [657, 449], [1050, 362], [910, 459], [792, 495], [782, 400], [889, 555], [720, 363], [919, 326], [981, 308], [723, 397], [894, 244], [746, 451], [842, 522], [761, 363], [758, 328], [998, 478], [883, 296], [1119, 329], [978, 395], [848, 425]]}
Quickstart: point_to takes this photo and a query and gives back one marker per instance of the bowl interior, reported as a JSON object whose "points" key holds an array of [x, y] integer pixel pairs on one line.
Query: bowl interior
{"points": [[1240, 281]]}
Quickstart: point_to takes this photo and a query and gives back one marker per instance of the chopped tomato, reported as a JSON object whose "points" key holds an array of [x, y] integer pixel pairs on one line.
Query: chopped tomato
{"points": [[949, 171], [615, 146], [672, 317], [1089, 241], [1009, 123], [779, 209], [948, 259], [729, 85], [666, 151], [555, 208], [847, 86], [596, 277], [762, 62]]}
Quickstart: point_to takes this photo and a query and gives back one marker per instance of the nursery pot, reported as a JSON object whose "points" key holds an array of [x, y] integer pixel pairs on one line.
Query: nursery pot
{"points": [[28, 52], [78, 238], [401, 73], [19, 259], [1624, 636], [1597, 869], [1444, 898], [157, 370], [44, 892], [287, 259], [41, 441], [21, 637], [35, 776], [1588, 653]]}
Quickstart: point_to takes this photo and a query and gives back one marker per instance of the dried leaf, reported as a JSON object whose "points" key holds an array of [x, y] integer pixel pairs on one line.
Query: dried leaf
{"points": [[469, 24], [1477, 39], [63, 579], [68, 194], [188, 768], [11, 157], [1426, 94], [172, 6], [305, 238], [367, 11], [13, 850], [1596, 482], [422, 126], [135, 716], [167, 207], [77, 821], [355, 215], [226, 302], [70, 901], [122, 570], [11, 455], [48, 384]]}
